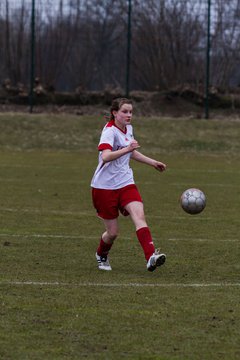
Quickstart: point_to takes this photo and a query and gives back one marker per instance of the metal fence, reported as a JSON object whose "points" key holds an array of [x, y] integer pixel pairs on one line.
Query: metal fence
{"points": [[77, 45]]}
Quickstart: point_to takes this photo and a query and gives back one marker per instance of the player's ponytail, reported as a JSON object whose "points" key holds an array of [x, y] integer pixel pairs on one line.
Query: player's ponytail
{"points": [[107, 116]]}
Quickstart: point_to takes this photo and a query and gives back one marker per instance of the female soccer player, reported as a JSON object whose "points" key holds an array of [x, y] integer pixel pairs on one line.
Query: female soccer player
{"points": [[113, 187]]}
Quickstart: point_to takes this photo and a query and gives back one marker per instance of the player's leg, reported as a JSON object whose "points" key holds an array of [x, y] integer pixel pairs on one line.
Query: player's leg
{"points": [[108, 236], [154, 257], [131, 202], [105, 202], [106, 243], [136, 212]]}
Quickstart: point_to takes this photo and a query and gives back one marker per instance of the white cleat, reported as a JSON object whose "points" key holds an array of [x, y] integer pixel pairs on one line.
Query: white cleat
{"points": [[103, 263], [157, 259]]}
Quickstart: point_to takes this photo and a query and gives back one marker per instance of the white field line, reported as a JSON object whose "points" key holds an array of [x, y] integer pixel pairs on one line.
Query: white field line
{"points": [[207, 184], [121, 285], [193, 218], [30, 166], [92, 213], [55, 212], [50, 181], [78, 181], [172, 169], [56, 236], [147, 183], [203, 240], [213, 171], [69, 236], [184, 184]]}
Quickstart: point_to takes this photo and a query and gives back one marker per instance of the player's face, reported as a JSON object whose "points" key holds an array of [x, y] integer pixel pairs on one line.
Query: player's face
{"points": [[123, 116]]}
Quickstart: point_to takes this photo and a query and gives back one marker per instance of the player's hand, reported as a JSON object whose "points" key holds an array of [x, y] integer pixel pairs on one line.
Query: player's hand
{"points": [[159, 166], [133, 145]]}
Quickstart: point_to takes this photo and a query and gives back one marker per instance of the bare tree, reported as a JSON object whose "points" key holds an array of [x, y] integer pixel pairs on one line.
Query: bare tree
{"points": [[54, 40], [84, 42], [97, 45], [15, 41], [167, 43], [225, 41]]}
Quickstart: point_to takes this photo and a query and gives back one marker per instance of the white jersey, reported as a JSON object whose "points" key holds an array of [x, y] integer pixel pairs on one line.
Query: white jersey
{"points": [[117, 173]]}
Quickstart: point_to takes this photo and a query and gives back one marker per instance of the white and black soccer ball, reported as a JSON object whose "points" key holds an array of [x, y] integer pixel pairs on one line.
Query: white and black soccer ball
{"points": [[193, 201]]}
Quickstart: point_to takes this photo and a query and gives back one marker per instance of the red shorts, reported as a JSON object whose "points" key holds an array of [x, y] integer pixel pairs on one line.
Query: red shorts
{"points": [[108, 203]]}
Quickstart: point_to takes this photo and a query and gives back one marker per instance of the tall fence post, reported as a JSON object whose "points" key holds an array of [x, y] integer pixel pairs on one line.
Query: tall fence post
{"points": [[32, 72], [129, 35], [208, 62]]}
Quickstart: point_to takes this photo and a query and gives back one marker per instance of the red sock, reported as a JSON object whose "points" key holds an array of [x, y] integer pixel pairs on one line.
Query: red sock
{"points": [[103, 248], [145, 239]]}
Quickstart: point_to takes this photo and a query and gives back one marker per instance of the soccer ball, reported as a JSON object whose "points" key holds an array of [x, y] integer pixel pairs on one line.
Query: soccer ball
{"points": [[193, 201]]}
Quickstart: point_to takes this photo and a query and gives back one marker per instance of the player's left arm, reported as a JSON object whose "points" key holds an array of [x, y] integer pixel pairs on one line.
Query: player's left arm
{"points": [[136, 155]]}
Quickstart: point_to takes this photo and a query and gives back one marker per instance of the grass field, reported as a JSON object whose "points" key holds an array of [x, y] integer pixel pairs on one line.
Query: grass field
{"points": [[56, 304]]}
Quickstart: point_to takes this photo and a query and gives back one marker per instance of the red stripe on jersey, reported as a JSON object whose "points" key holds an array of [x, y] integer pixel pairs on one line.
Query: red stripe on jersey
{"points": [[104, 146], [110, 123]]}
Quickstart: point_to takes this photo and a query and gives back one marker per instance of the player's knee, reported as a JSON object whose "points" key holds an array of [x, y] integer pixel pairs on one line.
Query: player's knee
{"points": [[140, 218], [112, 234]]}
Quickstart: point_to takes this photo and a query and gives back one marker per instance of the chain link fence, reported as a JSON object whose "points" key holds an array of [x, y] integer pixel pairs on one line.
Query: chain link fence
{"points": [[83, 45]]}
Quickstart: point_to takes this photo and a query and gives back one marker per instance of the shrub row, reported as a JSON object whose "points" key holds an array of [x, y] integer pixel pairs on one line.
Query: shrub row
{"points": [[218, 101]]}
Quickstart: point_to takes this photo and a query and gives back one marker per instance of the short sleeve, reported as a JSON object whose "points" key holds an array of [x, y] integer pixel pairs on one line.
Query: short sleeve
{"points": [[107, 139]]}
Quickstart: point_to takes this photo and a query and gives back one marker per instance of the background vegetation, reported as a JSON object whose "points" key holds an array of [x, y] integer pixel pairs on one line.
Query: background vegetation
{"points": [[82, 44]]}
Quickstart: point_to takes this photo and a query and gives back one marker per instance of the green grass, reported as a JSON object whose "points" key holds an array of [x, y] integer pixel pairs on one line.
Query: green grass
{"points": [[55, 304]]}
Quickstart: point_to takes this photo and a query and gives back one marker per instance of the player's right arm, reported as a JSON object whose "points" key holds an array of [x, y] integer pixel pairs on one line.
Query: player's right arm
{"points": [[109, 155]]}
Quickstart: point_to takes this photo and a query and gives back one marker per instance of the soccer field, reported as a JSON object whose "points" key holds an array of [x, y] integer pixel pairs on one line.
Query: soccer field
{"points": [[56, 304]]}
